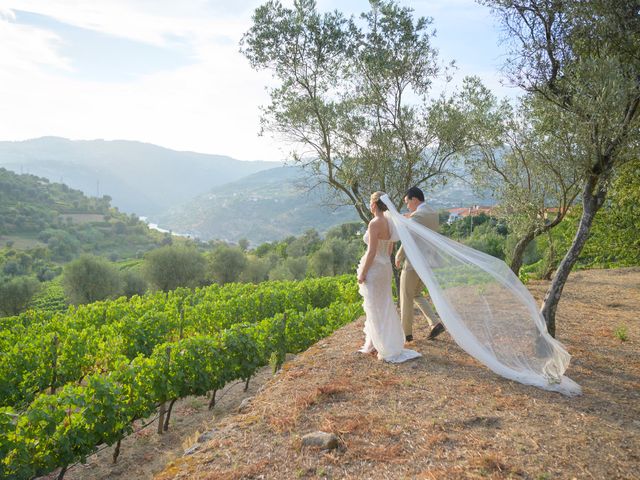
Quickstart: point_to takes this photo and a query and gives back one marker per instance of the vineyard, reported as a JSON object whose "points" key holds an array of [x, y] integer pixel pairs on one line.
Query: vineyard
{"points": [[70, 382]]}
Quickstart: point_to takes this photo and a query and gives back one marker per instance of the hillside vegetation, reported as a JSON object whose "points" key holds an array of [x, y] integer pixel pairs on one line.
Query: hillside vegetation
{"points": [[65, 221], [445, 416], [87, 375]]}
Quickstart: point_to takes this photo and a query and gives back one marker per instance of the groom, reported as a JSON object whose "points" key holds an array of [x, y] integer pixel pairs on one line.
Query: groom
{"points": [[411, 286]]}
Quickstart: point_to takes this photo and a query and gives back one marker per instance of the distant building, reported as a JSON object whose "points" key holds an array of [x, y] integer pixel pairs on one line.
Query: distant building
{"points": [[474, 210]]}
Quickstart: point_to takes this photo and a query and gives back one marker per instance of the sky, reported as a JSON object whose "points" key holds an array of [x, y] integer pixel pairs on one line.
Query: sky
{"points": [[170, 73]]}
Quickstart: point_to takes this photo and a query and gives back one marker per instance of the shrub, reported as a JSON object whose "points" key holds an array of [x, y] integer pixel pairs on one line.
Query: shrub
{"points": [[89, 279]]}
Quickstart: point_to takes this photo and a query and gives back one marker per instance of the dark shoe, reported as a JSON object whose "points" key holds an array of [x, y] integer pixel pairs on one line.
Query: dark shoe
{"points": [[435, 331], [408, 338]]}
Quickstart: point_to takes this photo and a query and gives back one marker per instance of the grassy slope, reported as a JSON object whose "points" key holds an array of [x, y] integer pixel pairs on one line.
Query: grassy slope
{"points": [[444, 415]]}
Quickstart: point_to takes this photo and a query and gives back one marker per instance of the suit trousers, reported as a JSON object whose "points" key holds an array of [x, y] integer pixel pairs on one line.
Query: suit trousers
{"points": [[411, 288]]}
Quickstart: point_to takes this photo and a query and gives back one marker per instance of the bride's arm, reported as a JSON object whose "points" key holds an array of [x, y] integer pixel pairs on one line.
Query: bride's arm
{"points": [[371, 250]]}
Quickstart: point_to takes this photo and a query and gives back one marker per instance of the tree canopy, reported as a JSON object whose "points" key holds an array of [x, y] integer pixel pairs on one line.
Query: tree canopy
{"points": [[353, 97], [582, 61]]}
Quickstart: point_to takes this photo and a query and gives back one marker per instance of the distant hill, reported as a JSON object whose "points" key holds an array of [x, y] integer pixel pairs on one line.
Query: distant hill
{"points": [[140, 178], [273, 204], [266, 206], [37, 213], [29, 203]]}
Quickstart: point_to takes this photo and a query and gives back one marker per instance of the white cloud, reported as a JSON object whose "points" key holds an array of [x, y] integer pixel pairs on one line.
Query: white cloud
{"points": [[210, 105], [24, 49], [154, 22]]}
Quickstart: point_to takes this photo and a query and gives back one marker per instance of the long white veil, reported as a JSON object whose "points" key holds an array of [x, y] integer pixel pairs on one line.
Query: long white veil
{"points": [[485, 307]]}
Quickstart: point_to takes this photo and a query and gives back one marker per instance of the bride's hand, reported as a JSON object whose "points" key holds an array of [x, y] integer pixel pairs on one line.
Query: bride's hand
{"points": [[362, 277]]}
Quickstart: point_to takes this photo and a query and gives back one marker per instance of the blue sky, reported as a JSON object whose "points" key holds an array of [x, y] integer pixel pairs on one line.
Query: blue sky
{"points": [[170, 73]]}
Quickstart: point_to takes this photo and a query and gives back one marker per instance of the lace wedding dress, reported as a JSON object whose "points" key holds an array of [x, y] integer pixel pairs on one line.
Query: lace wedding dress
{"points": [[382, 327], [484, 306]]}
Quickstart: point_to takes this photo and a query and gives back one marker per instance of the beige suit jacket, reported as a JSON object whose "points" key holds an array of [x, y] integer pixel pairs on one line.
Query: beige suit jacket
{"points": [[427, 216]]}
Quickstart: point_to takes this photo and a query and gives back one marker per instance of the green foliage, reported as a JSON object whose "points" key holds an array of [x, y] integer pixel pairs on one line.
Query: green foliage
{"points": [[613, 240], [89, 279], [50, 221], [463, 227], [256, 270], [62, 244], [28, 203], [61, 428], [354, 97], [226, 264], [170, 267], [524, 276], [486, 239], [308, 255], [15, 294], [134, 283], [99, 335], [482, 232], [621, 333], [50, 298]]}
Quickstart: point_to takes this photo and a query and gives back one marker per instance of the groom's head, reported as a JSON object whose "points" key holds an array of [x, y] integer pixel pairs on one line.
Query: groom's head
{"points": [[413, 198]]}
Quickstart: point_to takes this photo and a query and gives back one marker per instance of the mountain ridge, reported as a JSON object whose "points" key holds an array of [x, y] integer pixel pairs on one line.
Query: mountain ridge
{"points": [[140, 177]]}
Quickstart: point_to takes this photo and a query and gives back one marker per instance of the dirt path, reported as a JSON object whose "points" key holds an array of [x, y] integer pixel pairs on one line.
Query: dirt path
{"points": [[444, 416]]}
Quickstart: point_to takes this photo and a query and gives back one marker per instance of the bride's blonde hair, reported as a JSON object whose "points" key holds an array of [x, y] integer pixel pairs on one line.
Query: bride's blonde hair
{"points": [[375, 197]]}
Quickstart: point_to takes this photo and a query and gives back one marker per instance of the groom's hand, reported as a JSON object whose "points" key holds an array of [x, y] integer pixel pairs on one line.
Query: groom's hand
{"points": [[398, 263]]}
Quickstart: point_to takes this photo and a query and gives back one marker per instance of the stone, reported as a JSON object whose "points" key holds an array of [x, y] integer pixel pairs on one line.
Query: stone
{"points": [[244, 405], [192, 449], [324, 440], [206, 436]]}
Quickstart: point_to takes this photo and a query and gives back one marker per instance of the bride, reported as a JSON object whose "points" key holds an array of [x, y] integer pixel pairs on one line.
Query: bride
{"points": [[382, 327]]}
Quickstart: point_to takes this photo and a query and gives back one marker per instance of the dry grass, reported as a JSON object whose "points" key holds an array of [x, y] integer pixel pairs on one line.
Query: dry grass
{"points": [[444, 416]]}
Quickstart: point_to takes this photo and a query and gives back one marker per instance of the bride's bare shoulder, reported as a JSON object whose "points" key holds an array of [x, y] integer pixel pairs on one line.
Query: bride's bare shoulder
{"points": [[378, 225]]}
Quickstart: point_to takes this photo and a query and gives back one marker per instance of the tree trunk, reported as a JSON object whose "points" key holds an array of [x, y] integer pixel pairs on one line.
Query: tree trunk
{"points": [[168, 415], [523, 243], [591, 203], [62, 472], [518, 251], [212, 403], [161, 418], [116, 452]]}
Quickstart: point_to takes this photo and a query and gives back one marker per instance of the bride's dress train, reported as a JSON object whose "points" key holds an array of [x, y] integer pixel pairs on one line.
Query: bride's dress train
{"points": [[382, 327]]}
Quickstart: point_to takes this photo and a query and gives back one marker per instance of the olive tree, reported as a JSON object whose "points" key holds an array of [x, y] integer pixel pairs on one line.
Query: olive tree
{"points": [[580, 59], [15, 294], [527, 168], [353, 97], [90, 279], [170, 267], [226, 264]]}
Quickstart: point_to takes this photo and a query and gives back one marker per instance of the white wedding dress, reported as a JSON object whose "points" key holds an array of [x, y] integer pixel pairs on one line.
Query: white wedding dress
{"points": [[382, 327]]}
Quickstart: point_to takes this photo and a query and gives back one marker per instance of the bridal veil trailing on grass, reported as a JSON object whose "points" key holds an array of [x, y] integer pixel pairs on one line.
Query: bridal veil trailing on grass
{"points": [[485, 307]]}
